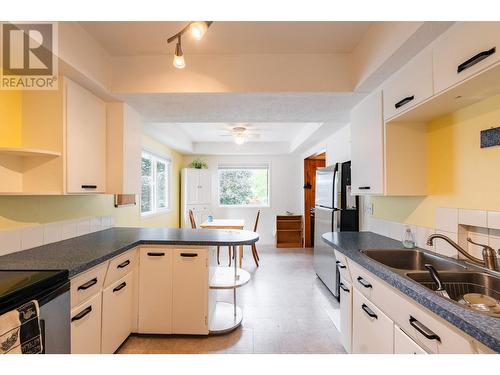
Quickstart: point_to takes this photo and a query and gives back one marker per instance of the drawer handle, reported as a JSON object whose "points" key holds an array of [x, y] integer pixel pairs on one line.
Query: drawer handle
{"points": [[89, 186], [475, 59], [340, 265], [156, 254], [120, 287], [88, 284], [364, 188], [369, 311], [124, 264], [428, 334], [189, 255], [364, 282], [82, 314], [344, 288], [404, 101]]}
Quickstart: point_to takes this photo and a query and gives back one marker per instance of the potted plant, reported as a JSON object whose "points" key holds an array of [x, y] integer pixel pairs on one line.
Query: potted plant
{"points": [[198, 164]]}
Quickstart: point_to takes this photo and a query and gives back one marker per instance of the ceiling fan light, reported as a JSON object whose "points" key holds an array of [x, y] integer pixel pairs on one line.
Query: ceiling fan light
{"points": [[179, 61], [239, 139], [198, 29]]}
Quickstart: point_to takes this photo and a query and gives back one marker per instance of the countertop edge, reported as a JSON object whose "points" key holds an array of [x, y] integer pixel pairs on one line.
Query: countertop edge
{"points": [[418, 294]]}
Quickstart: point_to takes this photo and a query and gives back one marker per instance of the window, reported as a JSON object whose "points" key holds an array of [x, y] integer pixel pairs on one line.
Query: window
{"points": [[155, 184], [244, 186]]}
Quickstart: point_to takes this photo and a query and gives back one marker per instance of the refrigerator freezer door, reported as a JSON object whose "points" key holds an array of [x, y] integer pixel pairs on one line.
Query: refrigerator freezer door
{"points": [[324, 258], [324, 187]]}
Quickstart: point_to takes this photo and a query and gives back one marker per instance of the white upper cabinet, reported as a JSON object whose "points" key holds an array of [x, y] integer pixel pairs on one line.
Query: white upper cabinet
{"points": [[367, 147], [196, 186], [85, 141], [463, 50], [411, 85], [123, 149]]}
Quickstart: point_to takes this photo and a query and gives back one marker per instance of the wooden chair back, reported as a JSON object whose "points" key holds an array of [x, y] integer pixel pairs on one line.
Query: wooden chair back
{"points": [[256, 221], [191, 219]]}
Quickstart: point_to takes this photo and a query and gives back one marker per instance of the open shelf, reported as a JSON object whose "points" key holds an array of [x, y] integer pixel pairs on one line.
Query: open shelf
{"points": [[224, 318], [28, 152], [224, 278]]}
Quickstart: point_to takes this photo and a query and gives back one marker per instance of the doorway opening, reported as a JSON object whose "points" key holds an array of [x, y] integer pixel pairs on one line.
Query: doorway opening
{"points": [[311, 163]]}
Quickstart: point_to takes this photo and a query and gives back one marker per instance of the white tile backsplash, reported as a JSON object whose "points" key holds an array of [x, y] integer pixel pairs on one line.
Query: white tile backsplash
{"points": [[52, 232], [10, 241], [69, 229], [444, 248], [447, 219], [31, 237], [475, 218], [494, 219], [422, 233], [83, 226], [95, 224]]}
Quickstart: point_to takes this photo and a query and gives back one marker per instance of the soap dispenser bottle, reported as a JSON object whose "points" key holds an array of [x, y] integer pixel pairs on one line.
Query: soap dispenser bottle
{"points": [[408, 239]]}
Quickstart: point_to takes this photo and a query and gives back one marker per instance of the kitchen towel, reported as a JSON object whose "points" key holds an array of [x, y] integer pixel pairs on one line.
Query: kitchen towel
{"points": [[20, 331]]}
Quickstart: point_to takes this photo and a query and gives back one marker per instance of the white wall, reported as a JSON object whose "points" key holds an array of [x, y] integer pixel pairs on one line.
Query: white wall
{"points": [[285, 193]]}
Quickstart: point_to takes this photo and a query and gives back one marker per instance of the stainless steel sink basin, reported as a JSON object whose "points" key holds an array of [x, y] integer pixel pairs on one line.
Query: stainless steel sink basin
{"points": [[459, 283], [411, 259]]}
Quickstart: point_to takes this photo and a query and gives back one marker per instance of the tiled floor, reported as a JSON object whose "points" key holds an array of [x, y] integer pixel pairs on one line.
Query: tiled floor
{"points": [[286, 309]]}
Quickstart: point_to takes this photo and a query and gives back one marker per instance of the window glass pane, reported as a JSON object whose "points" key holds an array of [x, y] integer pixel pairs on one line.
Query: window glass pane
{"points": [[161, 185], [244, 186], [146, 185]]}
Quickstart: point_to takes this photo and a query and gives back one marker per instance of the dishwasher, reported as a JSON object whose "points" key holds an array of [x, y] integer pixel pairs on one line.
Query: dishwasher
{"points": [[51, 290]]}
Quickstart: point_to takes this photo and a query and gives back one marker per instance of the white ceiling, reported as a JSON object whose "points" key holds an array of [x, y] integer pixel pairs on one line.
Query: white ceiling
{"points": [[149, 38]]}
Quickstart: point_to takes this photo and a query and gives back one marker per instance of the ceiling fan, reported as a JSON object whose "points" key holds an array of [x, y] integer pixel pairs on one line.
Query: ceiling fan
{"points": [[240, 134]]}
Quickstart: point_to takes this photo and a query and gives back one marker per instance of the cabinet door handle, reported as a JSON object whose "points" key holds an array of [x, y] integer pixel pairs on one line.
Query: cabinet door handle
{"points": [[404, 101], [363, 282], [369, 311], [88, 284], [364, 187], [120, 287], [344, 288], [156, 254], [89, 186], [124, 264], [189, 255], [82, 313], [340, 265], [426, 332], [475, 59]]}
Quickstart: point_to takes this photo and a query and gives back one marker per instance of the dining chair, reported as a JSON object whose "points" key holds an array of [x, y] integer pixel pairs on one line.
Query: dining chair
{"points": [[191, 219], [255, 254]]}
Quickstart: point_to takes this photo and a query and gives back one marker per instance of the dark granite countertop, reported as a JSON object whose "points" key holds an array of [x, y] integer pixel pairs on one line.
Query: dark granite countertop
{"points": [[81, 253], [483, 328]]}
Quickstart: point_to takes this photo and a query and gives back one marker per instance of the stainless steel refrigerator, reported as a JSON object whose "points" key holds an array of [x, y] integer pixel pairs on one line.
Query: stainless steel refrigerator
{"points": [[335, 210]]}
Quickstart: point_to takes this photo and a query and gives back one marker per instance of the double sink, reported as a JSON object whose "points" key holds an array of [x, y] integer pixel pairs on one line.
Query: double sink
{"points": [[458, 278]]}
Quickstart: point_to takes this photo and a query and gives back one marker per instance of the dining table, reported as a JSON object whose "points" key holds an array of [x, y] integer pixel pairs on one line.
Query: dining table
{"points": [[227, 224]]}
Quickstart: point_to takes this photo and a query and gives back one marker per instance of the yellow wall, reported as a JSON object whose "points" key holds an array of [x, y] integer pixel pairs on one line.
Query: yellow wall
{"points": [[460, 173], [10, 118], [16, 211]]}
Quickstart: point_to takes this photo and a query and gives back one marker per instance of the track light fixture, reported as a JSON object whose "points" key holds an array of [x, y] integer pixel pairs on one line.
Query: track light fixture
{"points": [[198, 29]]}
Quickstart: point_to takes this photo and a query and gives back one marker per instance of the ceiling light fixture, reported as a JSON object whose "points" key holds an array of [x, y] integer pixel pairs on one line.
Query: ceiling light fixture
{"points": [[239, 139], [179, 62], [198, 29]]}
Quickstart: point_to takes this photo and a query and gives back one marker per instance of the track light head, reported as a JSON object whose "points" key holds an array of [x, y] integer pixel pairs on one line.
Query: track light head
{"points": [[179, 61], [198, 29]]}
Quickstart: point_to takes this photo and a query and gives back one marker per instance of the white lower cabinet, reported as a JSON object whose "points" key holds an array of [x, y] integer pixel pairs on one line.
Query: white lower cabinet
{"points": [[403, 344], [86, 327], [117, 305], [372, 331], [190, 291], [346, 314], [155, 291]]}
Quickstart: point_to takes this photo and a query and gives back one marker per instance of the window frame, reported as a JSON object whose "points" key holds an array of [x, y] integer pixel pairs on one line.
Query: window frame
{"points": [[245, 166], [168, 170]]}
